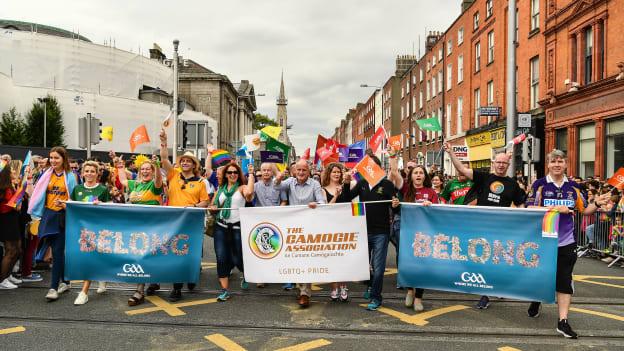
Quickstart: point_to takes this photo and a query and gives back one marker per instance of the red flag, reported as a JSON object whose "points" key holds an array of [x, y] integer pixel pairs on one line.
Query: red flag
{"points": [[139, 136], [321, 141], [370, 170], [306, 154], [377, 139], [618, 179]]}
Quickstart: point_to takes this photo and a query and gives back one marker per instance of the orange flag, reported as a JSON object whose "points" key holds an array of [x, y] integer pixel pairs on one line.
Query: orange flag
{"points": [[618, 179], [138, 137], [370, 171], [395, 142]]}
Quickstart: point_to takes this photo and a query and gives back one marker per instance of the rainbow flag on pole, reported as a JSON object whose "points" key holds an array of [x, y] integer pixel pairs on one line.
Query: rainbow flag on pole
{"points": [[220, 157], [358, 209]]}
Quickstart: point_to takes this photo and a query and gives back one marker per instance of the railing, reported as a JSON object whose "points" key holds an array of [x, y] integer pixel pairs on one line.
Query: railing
{"points": [[600, 234]]}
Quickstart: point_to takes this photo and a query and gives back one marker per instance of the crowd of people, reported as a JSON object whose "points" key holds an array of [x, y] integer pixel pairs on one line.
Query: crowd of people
{"points": [[35, 231]]}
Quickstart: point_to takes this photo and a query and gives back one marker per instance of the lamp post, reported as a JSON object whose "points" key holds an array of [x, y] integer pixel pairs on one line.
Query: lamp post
{"points": [[44, 101], [174, 148], [241, 131]]}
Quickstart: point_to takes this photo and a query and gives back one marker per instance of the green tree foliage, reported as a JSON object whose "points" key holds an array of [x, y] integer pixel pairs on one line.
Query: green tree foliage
{"points": [[12, 128], [261, 121], [55, 128]]}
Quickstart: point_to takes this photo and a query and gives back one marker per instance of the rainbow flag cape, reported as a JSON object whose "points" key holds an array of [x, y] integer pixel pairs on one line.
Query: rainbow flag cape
{"points": [[358, 209], [220, 157], [550, 224], [18, 197]]}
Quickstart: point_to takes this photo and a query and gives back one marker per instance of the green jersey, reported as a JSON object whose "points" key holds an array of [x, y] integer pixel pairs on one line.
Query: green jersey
{"points": [[83, 193], [144, 193], [455, 191]]}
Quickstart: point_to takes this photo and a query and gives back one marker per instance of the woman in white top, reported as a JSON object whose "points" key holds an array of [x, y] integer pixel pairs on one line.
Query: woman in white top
{"points": [[231, 195]]}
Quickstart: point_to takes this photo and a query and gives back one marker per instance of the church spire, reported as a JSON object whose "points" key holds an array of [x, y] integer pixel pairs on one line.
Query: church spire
{"points": [[282, 114], [281, 100]]}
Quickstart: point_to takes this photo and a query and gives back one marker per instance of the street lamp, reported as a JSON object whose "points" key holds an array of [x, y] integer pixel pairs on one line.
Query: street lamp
{"points": [[44, 101], [237, 103]]}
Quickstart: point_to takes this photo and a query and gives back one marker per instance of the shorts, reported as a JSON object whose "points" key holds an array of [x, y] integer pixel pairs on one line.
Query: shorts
{"points": [[566, 258], [9, 222]]}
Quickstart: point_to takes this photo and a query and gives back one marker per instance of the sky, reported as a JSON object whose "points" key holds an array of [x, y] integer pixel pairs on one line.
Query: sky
{"points": [[326, 49]]}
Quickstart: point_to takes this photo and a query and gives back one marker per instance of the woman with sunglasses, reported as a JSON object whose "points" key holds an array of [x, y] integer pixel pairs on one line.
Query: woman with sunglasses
{"points": [[417, 188], [232, 194]]}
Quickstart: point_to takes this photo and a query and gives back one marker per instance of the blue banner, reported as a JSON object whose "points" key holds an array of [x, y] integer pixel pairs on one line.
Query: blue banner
{"points": [[478, 250], [133, 243]]}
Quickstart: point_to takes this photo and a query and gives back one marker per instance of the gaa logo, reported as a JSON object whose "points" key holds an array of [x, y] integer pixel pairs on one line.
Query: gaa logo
{"points": [[133, 268], [265, 240], [475, 278]]}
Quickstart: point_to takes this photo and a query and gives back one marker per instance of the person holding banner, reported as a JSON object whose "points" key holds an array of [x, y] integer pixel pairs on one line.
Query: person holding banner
{"points": [[232, 194], [302, 190], [565, 196], [90, 191], [185, 189], [48, 203], [492, 189], [10, 233]]}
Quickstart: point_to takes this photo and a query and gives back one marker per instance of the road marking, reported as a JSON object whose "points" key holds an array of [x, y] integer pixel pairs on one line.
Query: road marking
{"points": [[600, 314], [12, 330], [310, 345], [315, 287], [586, 279], [420, 319], [390, 271], [508, 348], [172, 309], [208, 265], [224, 342]]}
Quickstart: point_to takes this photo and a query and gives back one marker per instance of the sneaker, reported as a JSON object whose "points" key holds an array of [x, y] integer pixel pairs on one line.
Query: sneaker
{"points": [[32, 278], [418, 306], [261, 285], [52, 295], [334, 294], [151, 289], [373, 305], [564, 329], [101, 288], [367, 293], [483, 303], [63, 288], [191, 286], [81, 299], [6, 284], [244, 284], [175, 295], [409, 298], [224, 296], [534, 309], [344, 294], [14, 280], [288, 286]]}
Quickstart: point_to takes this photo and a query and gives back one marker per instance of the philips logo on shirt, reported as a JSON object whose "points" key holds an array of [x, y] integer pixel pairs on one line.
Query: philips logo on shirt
{"points": [[559, 202]]}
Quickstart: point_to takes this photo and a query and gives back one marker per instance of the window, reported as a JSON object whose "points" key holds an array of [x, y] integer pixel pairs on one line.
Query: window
{"points": [[534, 81], [433, 87], [428, 66], [534, 14], [441, 53], [587, 150], [460, 69], [439, 134], [490, 93], [449, 76], [460, 35], [490, 46], [407, 87], [422, 74], [589, 50], [561, 139], [434, 60], [420, 99], [615, 145], [413, 79], [428, 91], [440, 73], [475, 21], [488, 8], [477, 105], [449, 47], [402, 92], [460, 109], [477, 57], [448, 119]]}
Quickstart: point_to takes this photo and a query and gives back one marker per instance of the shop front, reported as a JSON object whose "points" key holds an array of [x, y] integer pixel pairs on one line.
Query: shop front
{"points": [[483, 145]]}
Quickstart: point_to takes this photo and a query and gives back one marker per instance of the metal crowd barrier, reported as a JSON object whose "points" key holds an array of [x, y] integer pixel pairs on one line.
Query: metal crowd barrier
{"points": [[600, 235]]}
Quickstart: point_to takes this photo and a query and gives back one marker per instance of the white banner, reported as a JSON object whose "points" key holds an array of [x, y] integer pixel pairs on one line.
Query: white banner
{"points": [[302, 245]]}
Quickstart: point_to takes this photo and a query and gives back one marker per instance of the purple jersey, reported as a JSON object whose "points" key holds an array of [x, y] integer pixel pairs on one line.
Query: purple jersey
{"points": [[546, 193]]}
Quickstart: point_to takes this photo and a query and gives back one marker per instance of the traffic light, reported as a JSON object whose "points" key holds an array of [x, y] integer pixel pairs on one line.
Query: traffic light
{"points": [[82, 132], [96, 131], [184, 134], [531, 150]]}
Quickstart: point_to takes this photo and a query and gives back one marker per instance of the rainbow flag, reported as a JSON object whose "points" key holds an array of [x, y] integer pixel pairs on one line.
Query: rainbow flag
{"points": [[550, 224], [357, 176], [358, 209], [220, 157], [18, 197]]}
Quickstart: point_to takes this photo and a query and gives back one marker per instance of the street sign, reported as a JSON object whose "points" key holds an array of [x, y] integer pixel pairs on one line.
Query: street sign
{"points": [[524, 120], [489, 111]]}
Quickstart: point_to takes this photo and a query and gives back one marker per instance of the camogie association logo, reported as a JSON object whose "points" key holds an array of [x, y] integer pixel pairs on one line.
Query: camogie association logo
{"points": [[265, 240]]}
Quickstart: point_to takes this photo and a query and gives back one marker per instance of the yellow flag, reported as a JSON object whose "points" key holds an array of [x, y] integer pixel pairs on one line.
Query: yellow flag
{"points": [[271, 131], [107, 133], [281, 166]]}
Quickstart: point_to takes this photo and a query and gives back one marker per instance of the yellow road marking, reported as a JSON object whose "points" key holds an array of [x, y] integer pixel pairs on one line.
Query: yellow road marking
{"points": [[224, 342], [310, 345], [420, 319], [586, 279], [391, 271], [600, 314], [508, 348], [172, 309], [315, 287], [12, 330], [208, 265]]}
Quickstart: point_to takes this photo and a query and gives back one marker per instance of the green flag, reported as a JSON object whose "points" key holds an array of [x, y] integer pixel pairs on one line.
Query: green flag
{"points": [[431, 124], [274, 145]]}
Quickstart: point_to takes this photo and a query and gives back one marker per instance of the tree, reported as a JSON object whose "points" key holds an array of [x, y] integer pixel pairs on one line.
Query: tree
{"points": [[261, 121], [12, 128], [54, 121]]}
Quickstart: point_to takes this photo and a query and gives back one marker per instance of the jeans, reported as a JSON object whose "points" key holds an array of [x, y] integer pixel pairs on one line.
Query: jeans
{"points": [[57, 243], [228, 248], [378, 251], [395, 236]]}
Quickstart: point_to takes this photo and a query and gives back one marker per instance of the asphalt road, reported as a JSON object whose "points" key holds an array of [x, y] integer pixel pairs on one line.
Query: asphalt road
{"points": [[269, 319]]}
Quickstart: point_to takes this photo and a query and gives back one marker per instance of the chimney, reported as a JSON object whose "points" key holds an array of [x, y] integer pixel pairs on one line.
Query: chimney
{"points": [[466, 4], [157, 54], [432, 39], [404, 63]]}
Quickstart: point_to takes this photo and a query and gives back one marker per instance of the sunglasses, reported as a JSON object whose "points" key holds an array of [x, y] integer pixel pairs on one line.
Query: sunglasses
{"points": [[232, 172]]}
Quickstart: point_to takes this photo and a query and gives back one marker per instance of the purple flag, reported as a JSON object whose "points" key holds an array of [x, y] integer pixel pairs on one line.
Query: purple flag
{"points": [[355, 155], [343, 154], [272, 156]]}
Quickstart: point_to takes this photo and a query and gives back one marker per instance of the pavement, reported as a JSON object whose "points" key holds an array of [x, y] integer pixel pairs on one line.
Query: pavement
{"points": [[270, 319]]}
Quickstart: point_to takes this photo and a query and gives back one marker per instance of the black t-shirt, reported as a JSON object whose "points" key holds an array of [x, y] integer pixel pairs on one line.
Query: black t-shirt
{"points": [[497, 191], [377, 215]]}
